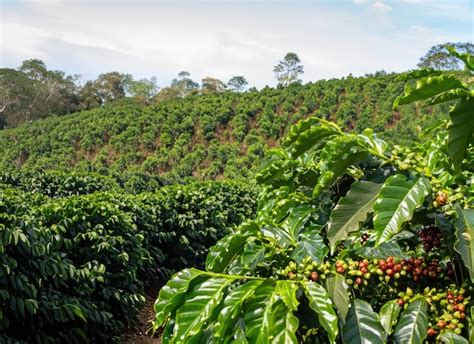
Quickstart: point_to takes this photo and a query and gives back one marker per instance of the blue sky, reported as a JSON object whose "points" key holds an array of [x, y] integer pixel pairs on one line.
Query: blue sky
{"points": [[226, 38]]}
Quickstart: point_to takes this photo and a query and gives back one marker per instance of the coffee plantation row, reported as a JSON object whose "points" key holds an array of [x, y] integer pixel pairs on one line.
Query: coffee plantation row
{"points": [[57, 184], [74, 269]]}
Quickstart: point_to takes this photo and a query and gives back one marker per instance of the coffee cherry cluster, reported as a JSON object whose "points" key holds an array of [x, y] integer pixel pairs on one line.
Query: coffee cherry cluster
{"points": [[307, 269], [357, 271], [430, 237], [391, 267], [404, 158], [447, 308], [392, 270], [418, 268], [454, 312]]}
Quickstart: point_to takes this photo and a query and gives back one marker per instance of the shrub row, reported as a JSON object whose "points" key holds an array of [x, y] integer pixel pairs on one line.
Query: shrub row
{"points": [[73, 269], [57, 184]]}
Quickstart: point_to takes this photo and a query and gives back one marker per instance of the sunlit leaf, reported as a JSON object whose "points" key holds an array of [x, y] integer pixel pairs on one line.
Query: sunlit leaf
{"points": [[363, 325], [351, 210], [413, 323], [397, 201]]}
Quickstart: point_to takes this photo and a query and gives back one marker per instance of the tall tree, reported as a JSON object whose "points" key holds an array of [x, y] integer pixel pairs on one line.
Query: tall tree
{"points": [[180, 87], [237, 83], [438, 57], [144, 88], [212, 85], [288, 70], [184, 84], [32, 91], [107, 88], [110, 86]]}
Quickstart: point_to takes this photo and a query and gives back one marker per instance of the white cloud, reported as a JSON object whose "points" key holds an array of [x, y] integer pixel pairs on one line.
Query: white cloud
{"points": [[380, 7], [219, 40], [361, 2]]}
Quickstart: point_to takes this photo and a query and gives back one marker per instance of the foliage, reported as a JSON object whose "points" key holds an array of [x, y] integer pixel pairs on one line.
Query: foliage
{"points": [[402, 285], [143, 88], [58, 184], [237, 83], [288, 70], [439, 58], [212, 85], [34, 92], [74, 269], [436, 89]]}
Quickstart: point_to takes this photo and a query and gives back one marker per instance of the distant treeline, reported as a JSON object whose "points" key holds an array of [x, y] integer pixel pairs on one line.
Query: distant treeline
{"points": [[32, 91]]}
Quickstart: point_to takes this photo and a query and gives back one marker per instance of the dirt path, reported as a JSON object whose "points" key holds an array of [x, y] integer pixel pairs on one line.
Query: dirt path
{"points": [[138, 335]]}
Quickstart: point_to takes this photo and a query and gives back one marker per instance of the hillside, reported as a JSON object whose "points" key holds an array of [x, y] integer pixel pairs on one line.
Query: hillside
{"points": [[206, 136]]}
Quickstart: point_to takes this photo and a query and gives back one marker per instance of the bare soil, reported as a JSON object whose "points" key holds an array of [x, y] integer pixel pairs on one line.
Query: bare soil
{"points": [[141, 333]]}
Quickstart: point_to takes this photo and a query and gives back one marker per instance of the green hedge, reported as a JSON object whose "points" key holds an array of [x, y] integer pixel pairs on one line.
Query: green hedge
{"points": [[73, 269], [57, 184]]}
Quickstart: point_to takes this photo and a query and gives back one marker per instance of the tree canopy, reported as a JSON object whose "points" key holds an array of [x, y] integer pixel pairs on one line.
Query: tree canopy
{"points": [[288, 70], [439, 58]]}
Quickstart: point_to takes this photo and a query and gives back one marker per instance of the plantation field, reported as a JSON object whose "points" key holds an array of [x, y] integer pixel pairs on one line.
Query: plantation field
{"points": [[75, 268], [208, 136], [339, 211]]}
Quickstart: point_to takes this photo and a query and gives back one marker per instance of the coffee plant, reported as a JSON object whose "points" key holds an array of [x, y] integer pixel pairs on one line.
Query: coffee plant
{"points": [[353, 241], [73, 270]]}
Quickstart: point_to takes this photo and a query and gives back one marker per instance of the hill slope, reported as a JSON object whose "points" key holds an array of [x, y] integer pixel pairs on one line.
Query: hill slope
{"points": [[206, 136]]}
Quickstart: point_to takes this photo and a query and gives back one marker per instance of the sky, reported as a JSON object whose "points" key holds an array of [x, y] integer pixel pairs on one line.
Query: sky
{"points": [[225, 38]]}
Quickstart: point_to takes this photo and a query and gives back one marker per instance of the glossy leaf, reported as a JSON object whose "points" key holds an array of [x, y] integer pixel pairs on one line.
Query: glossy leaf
{"points": [[232, 309], [338, 154], [252, 254], [389, 315], [448, 96], [461, 129], [337, 289], [321, 303], [351, 210], [171, 296], [418, 73], [384, 250], [258, 314], [200, 304], [467, 58], [362, 325], [310, 244], [464, 244], [428, 87], [396, 203], [294, 223], [452, 338], [287, 291], [299, 128], [312, 137], [229, 248], [413, 323], [283, 325]]}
